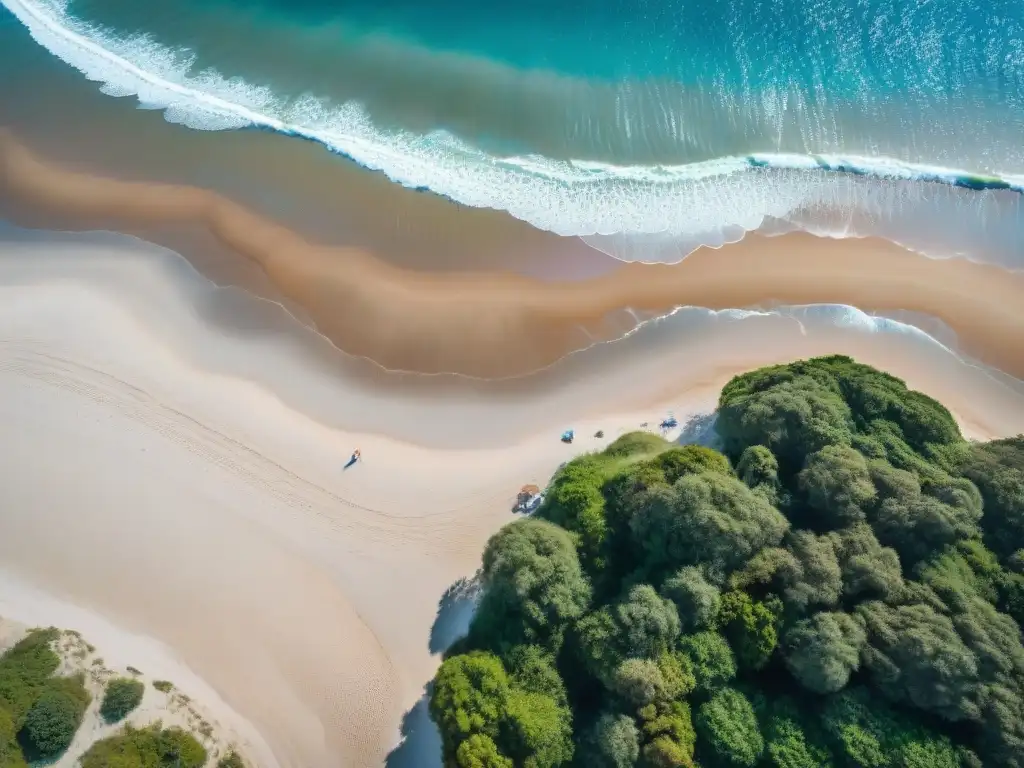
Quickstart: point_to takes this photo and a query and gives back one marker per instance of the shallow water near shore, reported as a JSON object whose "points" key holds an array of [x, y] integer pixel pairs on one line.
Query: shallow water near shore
{"points": [[261, 341]]}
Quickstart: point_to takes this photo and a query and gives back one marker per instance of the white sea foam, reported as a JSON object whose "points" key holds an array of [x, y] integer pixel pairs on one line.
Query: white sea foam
{"points": [[637, 213]]}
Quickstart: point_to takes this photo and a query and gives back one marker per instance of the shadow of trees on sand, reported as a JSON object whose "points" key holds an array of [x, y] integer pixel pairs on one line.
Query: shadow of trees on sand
{"points": [[700, 430], [420, 746]]}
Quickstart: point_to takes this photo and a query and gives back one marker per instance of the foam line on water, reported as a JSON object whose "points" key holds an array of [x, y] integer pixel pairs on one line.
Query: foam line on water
{"points": [[653, 213]]}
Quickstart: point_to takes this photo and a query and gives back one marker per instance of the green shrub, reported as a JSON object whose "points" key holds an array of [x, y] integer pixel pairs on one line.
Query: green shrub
{"points": [[24, 669], [121, 697], [10, 751], [728, 730], [751, 627], [164, 686], [52, 722], [574, 502], [150, 747], [613, 743], [231, 760], [533, 586], [711, 660], [470, 696], [697, 601], [636, 444], [537, 730], [479, 751], [691, 460]]}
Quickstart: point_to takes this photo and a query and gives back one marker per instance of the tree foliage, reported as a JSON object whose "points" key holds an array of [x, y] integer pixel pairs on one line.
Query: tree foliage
{"points": [[759, 469], [470, 696], [231, 760], [850, 595], [708, 518], [480, 751], [751, 627], [697, 600], [997, 469], [669, 735], [824, 650], [533, 585], [614, 742], [868, 569], [647, 623], [24, 671], [53, 720], [792, 739], [838, 486], [729, 730], [537, 730], [123, 694], [811, 575], [712, 661], [41, 713]]}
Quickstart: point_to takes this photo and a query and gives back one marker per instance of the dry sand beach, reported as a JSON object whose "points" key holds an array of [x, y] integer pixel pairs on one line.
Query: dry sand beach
{"points": [[176, 475]]}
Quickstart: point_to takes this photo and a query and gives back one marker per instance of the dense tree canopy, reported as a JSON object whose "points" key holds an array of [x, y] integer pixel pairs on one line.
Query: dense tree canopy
{"points": [[841, 586], [697, 600]]}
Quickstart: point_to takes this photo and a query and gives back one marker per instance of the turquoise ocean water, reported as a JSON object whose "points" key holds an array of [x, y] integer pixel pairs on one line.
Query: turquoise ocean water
{"points": [[646, 127]]}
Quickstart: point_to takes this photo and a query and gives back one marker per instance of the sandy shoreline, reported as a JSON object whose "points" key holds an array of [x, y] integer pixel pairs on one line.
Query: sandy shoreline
{"points": [[500, 324], [207, 510]]}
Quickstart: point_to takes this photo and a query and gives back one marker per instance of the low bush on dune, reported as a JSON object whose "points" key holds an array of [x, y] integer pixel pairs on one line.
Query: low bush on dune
{"points": [[231, 760], [120, 698], [52, 722], [39, 713], [10, 752], [634, 445], [152, 747], [842, 586], [24, 670]]}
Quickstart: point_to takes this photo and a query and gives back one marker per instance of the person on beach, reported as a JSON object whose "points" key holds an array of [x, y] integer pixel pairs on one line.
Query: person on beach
{"points": [[356, 455]]}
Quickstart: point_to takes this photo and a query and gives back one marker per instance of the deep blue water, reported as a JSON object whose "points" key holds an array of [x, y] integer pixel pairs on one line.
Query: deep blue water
{"points": [[650, 125]]}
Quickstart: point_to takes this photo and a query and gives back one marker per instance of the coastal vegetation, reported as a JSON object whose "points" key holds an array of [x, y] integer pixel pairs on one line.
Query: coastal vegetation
{"points": [[40, 712], [51, 724], [150, 747], [42, 708], [842, 584], [231, 760], [123, 694]]}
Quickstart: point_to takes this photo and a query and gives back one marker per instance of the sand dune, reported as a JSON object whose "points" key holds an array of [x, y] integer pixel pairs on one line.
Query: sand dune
{"points": [[159, 475], [189, 703], [493, 324]]}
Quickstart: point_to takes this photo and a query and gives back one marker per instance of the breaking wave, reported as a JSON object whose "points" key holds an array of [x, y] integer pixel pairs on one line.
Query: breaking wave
{"points": [[633, 212]]}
